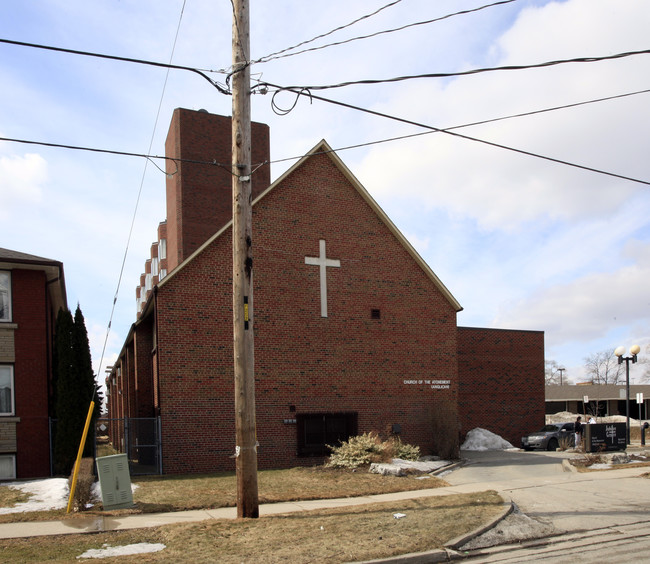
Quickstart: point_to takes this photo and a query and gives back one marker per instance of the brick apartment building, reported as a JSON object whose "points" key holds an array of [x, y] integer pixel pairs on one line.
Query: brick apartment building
{"points": [[32, 290], [353, 330]]}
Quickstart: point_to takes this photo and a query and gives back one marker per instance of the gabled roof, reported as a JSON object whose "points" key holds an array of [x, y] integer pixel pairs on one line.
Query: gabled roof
{"points": [[323, 148], [53, 271]]}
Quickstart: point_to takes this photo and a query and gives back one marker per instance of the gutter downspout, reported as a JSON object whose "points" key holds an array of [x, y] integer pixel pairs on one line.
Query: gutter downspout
{"points": [[157, 377]]}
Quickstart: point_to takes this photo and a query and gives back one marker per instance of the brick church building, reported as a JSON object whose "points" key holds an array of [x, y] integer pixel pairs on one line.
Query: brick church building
{"points": [[353, 330]]}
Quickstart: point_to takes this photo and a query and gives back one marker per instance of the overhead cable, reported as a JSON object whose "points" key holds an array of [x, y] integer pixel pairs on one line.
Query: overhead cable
{"points": [[277, 54], [280, 54], [302, 92], [227, 167], [482, 122], [201, 73], [137, 201], [461, 73]]}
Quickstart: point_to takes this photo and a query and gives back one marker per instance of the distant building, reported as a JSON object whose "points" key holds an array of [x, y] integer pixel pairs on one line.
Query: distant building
{"points": [[597, 399], [354, 332], [32, 290]]}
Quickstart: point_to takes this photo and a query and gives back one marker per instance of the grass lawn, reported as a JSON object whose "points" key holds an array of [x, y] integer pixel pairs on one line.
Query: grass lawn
{"points": [[332, 535]]}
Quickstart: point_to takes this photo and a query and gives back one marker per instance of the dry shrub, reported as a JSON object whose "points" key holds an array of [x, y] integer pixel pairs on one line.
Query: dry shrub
{"points": [[85, 481], [368, 448], [564, 443], [395, 448], [588, 459], [444, 424]]}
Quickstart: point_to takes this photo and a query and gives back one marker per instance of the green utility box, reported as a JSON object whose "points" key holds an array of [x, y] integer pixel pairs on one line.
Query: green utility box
{"points": [[115, 481]]}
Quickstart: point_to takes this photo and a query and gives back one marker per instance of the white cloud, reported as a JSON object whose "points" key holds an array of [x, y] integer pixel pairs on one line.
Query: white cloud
{"points": [[506, 190], [587, 308], [519, 240], [21, 181]]}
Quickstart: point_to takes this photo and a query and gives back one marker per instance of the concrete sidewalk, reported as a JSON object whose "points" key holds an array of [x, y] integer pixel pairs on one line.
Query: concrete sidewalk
{"points": [[99, 523]]}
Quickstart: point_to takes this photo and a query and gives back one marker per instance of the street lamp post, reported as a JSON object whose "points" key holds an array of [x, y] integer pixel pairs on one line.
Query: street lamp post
{"points": [[619, 352]]}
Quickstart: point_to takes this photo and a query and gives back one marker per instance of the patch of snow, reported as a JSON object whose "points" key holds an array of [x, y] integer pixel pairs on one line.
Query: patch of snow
{"points": [[482, 439], [48, 494], [108, 551], [420, 465], [399, 467], [386, 469]]}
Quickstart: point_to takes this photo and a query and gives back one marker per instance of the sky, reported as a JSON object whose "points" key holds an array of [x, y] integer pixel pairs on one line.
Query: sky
{"points": [[522, 242]]}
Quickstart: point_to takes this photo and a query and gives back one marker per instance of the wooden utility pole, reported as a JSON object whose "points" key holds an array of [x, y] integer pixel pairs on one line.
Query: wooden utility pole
{"points": [[242, 267]]}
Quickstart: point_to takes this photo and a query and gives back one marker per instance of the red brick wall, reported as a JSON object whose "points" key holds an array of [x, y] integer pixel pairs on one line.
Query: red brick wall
{"points": [[143, 404], [501, 381], [199, 197], [31, 373], [345, 362]]}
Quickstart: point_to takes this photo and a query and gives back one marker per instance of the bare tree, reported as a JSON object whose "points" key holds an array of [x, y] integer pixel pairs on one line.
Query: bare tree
{"points": [[555, 374], [603, 368], [645, 361]]}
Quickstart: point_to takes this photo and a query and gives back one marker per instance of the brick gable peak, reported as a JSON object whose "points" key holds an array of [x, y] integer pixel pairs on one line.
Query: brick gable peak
{"points": [[323, 148]]}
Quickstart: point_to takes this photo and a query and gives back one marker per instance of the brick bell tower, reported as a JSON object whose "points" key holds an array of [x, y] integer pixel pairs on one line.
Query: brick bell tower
{"points": [[199, 196]]}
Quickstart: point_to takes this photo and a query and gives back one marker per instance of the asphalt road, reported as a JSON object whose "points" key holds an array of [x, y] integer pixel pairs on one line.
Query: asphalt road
{"points": [[562, 516]]}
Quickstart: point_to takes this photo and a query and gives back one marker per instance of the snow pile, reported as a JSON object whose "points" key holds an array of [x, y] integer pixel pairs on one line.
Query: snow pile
{"points": [[482, 439], [46, 494], [107, 551], [568, 417]]}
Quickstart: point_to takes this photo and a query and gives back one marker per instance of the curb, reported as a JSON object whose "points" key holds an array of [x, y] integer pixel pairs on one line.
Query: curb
{"points": [[507, 508], [450, 551], [448, 468], [568, 467]]}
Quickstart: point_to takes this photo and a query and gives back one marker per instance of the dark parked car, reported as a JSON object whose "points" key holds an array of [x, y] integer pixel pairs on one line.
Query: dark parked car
{"points": [[549, 437]]}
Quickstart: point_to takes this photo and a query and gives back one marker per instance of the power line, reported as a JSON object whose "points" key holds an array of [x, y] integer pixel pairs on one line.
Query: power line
{"points": [[277, 53], [304, 92], [482, 122], [201, 73], [461, 73], [137, 202], [150, 158], [280, 54], [356, 146]]}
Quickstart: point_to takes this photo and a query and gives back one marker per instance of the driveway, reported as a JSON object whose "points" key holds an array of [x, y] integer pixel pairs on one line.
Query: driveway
{"points": [[551, 500]]}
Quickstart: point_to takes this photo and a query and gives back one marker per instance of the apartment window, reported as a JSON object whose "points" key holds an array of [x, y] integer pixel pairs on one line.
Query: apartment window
{"points": [[5, 296], [8, 467], [6, 390], [317, 431], [162, 273], [162, 249], [154, 266]]}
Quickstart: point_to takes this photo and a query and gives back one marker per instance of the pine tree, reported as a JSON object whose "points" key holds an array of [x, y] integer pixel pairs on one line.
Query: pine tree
{"points": [[75, 388], [86, 377]]}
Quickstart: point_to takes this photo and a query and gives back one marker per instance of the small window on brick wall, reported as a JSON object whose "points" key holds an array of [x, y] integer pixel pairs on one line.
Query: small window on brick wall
{"points": [[375, 314], [6, 389], [5, 296], [8, 467], [317, 430]]}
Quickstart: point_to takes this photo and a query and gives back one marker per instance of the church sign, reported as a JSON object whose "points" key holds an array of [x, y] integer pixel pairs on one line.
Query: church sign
{"points": [[601, 437], [434, 384]]}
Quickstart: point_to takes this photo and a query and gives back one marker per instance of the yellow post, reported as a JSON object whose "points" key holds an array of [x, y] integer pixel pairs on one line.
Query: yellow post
{"points": [[79, 454]]}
